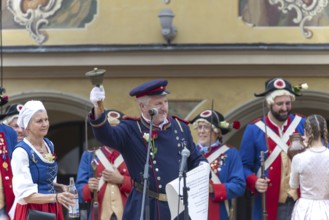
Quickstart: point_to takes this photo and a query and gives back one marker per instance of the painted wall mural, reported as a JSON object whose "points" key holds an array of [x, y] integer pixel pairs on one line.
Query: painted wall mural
{"points": [[134, 23], [286, 13], [39, 15]]}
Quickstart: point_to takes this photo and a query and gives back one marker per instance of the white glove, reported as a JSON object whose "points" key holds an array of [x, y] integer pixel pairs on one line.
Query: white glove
{"points": [[97, 94]]}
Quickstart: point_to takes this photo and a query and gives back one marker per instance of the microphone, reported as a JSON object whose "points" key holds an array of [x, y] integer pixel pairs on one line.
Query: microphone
{"points": [[185, 155], [153, 111]]}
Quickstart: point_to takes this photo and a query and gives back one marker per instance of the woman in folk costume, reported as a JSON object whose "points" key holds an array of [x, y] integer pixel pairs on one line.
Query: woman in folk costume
{"points": [[310, 172], [35, 169], [112, 181], [227, 180]]}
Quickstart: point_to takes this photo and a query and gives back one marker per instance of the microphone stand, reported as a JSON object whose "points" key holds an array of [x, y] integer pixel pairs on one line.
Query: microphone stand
{"points": [[145, 177], [185, 197]]}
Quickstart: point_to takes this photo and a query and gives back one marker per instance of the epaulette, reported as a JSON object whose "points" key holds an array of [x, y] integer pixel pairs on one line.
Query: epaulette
{"points": [[180, 119], [256, 120], [133, 118]]}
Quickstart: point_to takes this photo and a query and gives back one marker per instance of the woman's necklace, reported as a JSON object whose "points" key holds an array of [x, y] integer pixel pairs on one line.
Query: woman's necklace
{"points": [[41, 148]]}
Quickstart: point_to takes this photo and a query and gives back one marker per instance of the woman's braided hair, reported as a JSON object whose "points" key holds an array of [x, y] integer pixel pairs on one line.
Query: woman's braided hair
{"points": [[316, 127]]}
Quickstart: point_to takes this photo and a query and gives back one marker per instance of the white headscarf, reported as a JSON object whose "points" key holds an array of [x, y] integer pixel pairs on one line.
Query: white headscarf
{"points": [[28, 110]]}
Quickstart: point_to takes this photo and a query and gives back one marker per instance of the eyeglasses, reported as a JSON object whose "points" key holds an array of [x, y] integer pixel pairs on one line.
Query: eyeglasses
{"points": [[205, 127]]}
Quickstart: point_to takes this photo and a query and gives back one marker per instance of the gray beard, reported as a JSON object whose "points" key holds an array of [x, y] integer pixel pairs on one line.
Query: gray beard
{"points": [[279, 117]]}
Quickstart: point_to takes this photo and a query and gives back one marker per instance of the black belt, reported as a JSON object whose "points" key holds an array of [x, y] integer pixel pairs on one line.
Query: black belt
{"points": [[159, 196]]}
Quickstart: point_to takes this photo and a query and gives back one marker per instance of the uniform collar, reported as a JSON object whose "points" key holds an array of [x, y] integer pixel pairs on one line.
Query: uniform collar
{"points": [[276, 128], [163, 126], [206, 149]]}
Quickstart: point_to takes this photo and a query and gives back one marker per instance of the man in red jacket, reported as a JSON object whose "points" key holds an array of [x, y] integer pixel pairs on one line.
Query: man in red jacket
{"points": [[270, 135], [112, 182]]}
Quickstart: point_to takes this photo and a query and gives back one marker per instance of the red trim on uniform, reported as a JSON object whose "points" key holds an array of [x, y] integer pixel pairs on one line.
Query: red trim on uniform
{"points": [[219, 192], [213, 210], [126, 117], [6, 174], [256, 120], [86, 193], [183, 120], [161, 88], [251, 181]]}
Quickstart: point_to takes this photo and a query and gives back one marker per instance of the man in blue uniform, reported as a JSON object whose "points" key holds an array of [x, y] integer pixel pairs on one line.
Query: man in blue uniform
{"points": [[8, 141], [227, 180], [270, 134], [170, 135], [10, 118]]}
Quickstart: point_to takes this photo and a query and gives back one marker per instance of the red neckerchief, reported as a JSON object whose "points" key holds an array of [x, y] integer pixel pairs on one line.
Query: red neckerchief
{"points": [[110, 154], [212, 149]]}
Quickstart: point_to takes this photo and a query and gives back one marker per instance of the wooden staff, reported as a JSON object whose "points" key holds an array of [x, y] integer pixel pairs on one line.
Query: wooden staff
{"points": [[262, 175], [95, 192]]}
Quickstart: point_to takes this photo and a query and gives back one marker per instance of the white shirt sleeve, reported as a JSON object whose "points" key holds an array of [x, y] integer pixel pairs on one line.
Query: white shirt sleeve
{"points": [[23, 185], [294, 174]]}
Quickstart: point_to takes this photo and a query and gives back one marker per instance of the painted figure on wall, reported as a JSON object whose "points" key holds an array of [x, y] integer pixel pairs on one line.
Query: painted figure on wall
{"points": [[285, 13], [35, 15]]}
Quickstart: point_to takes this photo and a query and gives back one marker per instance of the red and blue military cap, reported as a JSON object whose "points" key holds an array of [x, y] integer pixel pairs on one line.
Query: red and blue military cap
{"points": [[213, 117], [277, 84], [11, 110], [152, 88], [217, 119]]}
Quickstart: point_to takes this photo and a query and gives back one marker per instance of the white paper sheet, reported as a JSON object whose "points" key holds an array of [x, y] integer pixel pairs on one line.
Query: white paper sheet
{"points": [[198, 182]]}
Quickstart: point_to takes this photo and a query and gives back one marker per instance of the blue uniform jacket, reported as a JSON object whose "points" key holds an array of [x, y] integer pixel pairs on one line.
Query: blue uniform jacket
{"points": [[232, 185], [9, 137], [127, 138]]}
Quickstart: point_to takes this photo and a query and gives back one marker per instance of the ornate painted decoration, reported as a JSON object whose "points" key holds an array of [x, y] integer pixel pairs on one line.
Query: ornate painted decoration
{"points": [[305, 9], [34, 14]]}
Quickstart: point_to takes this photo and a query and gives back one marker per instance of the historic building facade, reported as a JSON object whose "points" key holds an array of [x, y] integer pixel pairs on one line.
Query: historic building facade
{"points": [[215, 58]]}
